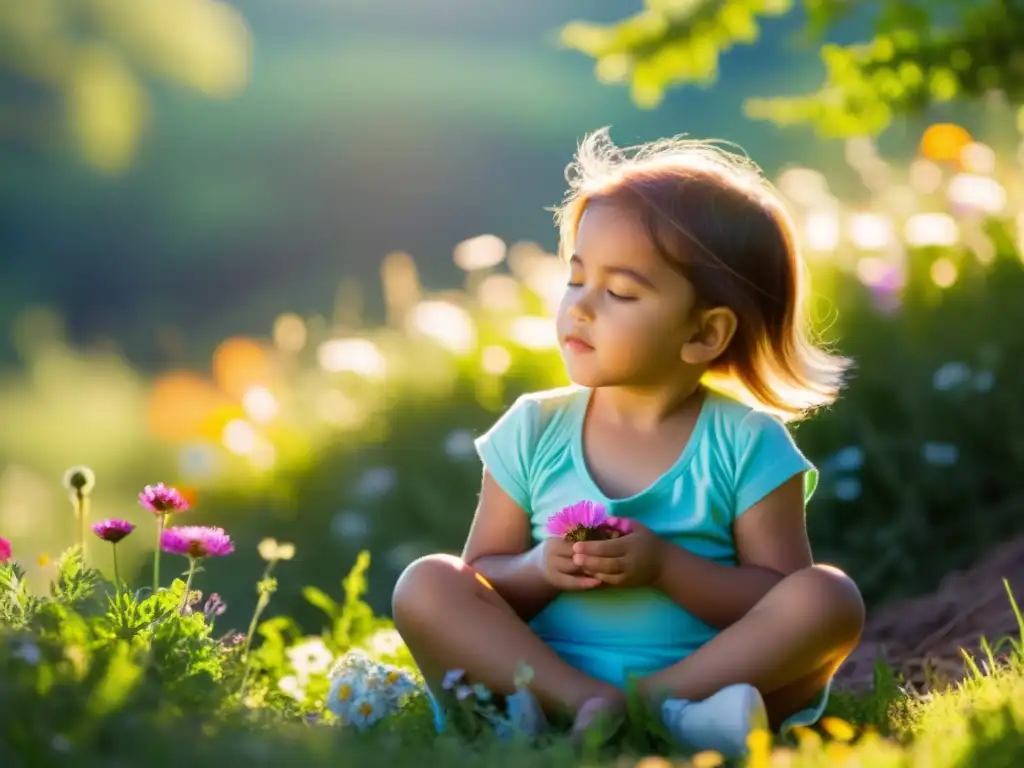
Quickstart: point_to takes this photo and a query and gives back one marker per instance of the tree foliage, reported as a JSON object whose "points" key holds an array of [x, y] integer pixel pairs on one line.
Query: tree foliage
{"points": [[78, 69], [922, 52]]}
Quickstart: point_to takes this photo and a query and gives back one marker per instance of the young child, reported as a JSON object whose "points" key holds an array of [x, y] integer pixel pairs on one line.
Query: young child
{"points": [[682, 329]]}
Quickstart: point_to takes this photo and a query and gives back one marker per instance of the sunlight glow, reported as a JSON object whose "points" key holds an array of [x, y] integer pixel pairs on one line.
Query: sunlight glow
{"points": [[499, 293], [359, 356], [977, 192], [944, 273], [534, 333], [289, 332], [260, 404], [978, 158], [239, 437], [496, 360], [925, 176], [449, 325], [924, 229], [822, 230], [870, 231], [481, 252]]}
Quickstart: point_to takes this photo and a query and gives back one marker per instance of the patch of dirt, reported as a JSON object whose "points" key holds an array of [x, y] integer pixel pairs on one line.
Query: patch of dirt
{"points": [[921, 637]]}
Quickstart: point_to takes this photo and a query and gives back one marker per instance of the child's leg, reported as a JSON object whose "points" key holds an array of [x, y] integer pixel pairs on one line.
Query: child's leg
{"points": [[788, 646], [452, 619]]}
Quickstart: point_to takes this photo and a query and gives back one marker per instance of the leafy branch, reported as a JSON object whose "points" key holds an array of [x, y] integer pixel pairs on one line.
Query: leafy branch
{"points": [[922, 52]]}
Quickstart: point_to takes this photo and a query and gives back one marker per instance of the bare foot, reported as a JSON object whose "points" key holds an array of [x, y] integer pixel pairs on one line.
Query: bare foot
{"points": [[598, 719]]}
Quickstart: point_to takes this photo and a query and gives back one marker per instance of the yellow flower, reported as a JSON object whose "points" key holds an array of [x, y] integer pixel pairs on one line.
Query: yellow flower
{"points": [[43, 560], [838, 729], [709, 758], [759, 742]]}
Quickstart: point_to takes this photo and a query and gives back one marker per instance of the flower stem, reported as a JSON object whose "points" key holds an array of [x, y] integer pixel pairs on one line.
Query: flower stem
{"points": [[117, 575], [161, 520], [261, 605], [188, 585], [82, 508]]}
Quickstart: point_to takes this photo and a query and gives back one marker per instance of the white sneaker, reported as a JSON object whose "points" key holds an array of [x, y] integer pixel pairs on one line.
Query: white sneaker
{"points": [[720, 722]]}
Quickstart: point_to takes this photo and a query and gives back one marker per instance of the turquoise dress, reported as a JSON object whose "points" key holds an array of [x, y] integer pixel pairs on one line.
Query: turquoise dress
{"points": [[735, 457]]}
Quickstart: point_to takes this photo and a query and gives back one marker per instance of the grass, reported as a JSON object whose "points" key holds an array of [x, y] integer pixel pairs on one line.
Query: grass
{"points": [[977, 722]]}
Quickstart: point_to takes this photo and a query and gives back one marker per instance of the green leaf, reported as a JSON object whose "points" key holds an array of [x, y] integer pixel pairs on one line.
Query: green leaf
{"points": [[321, 600]]}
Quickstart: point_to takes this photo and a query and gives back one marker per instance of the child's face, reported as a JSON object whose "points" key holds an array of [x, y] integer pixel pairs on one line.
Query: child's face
{"points": [[626, 314]]}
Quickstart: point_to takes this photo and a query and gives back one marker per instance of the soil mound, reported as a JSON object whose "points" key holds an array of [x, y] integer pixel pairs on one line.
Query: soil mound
{"points": [[921, 637]]}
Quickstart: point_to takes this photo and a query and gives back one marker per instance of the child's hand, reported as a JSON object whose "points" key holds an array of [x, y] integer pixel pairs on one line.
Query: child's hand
{"points": [[633, 560], [556, 563]]}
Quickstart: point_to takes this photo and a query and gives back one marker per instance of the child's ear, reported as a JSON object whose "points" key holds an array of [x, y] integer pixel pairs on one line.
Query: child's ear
{"points": [[715, 329]]}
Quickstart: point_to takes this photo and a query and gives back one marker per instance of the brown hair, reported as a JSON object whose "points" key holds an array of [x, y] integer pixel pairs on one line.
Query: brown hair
{"points": [[711, 214]]}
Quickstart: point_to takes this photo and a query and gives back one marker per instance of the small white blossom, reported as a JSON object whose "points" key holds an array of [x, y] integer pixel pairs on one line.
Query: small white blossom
{"points": [[291, 685], [385, 642], [310, 658]]}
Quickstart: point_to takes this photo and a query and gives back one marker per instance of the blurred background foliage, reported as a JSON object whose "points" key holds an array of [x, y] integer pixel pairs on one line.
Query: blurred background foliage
{"points": [[207, 216], [909, 54]]}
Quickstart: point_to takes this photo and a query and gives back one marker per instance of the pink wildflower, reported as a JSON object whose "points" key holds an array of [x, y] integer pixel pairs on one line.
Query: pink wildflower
{"points": [[113, 530], [161, 500], [586, 520], [196, 541], [5, 550]]}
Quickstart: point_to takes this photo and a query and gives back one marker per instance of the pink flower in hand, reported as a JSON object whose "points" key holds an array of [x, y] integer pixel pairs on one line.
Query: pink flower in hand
{"points": [[586, 521]]}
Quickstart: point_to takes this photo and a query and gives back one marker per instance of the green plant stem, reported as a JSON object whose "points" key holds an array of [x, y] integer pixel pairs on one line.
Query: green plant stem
{"points": [[261, 605], [82, 510], [188, 585], [161, 521], [117, 574]]}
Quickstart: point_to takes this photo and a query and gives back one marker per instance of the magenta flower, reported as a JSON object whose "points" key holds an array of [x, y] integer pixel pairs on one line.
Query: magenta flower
{"points": [[113, 530], [196, 541], [586, 520], [161, 500], [5, 550]]}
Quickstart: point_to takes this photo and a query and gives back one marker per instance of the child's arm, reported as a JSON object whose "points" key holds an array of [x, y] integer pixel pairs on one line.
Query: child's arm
{"points": [[498, 547], [771, 543]]}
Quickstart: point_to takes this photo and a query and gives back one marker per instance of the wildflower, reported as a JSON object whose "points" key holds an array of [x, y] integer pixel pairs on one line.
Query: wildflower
{"points": [[161, 500], [584, 521], [291, 685], [80, 480], [362, 691], [385, 642], [5, 550], [43, 560], [310, 658], [196, 541], [231, 640], [451, 677], [214, 607], [113, 530]]}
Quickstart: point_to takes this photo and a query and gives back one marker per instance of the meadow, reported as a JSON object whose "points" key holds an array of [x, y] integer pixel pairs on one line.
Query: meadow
{"points": [[332, 448]]}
